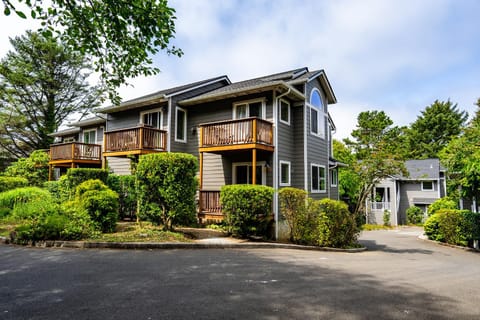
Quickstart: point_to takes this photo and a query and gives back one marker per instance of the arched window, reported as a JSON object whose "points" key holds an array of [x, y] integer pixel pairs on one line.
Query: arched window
{"points": [[317, 114]]}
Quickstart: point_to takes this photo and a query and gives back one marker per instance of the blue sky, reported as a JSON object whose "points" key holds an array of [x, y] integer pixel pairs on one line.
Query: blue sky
{"points": [[392, 55]]}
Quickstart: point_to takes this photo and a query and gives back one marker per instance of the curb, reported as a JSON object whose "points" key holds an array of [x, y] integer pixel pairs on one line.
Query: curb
{"points": [[424, 238], [183, 245]]}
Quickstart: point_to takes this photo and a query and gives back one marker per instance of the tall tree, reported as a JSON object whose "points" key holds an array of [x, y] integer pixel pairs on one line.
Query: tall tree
{"points": [[462, 158], [374, 147], [121, 36], [41, 84], [434, 128]]}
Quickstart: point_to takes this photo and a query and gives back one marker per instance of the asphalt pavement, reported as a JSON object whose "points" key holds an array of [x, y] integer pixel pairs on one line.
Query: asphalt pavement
{"points": [[399, 277]]}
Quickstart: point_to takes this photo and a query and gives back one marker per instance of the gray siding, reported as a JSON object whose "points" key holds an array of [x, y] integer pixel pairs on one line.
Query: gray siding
{"points": [[119, 165], [131, 118], [409, 191]]}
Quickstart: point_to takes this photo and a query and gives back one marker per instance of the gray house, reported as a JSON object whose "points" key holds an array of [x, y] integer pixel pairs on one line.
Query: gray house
{"points": [[273, 130], [424, 184]]}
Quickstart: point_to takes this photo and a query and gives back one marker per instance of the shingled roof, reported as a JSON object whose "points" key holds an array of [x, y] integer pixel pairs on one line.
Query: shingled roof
{"points": [[427, 169]]}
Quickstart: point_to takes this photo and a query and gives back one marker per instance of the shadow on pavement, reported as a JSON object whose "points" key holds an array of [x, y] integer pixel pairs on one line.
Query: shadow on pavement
{"points": [[372, 245]]}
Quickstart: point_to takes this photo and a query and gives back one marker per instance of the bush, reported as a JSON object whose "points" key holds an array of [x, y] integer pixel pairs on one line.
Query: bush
{"points": [[124, 186], [34, 168], [442, 203], [10, 183], [9, 199], [247, 209], [386, 218], [167, 187], [293, 208], [431, 228], [414, 215], [35, 209], [100, 202], [75, 176]]}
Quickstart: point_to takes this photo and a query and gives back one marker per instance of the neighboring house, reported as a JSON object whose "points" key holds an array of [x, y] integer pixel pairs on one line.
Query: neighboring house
{"points": [[78, 146], [273, 130], [424, 184]]}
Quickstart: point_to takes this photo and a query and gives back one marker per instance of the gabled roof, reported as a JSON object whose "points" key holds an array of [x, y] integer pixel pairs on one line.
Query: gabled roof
{"points": [[427, 169], [65, 132], [161, 95], [89, 121], [322, 77]]}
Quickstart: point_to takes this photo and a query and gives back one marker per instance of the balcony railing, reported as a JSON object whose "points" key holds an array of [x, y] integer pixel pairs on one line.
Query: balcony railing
{"points": [[210, 202], [75, 151], [236, 132], [380, 205], [139, 138]]}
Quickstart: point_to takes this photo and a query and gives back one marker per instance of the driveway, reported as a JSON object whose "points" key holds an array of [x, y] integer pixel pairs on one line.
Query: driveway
{"points": [[399, 277]]}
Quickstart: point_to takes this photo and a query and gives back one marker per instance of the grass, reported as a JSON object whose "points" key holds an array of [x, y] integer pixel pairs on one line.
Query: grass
{"points": [[143, 232], [371, 227]]}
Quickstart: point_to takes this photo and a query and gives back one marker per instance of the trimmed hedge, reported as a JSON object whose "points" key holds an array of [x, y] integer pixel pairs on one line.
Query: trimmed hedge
{"points": [[167, 186], [10, 183], [247, 209], [442, 203], [293, 209], [66, 186]]}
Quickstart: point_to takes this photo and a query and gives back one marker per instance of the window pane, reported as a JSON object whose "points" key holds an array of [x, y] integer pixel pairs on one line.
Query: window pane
{"points": [[322, 179], [255, 109], [181, 123], [427, 185], [315, 183], [241, 111], [285, 173], [241, 174], [316, 100], [314, 120], [284, 115]]}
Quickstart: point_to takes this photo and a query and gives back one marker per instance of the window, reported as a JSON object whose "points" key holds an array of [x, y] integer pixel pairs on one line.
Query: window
{"points": [[284, 112], [152, 118], [242, 173], [181, 125], [90, 136], [284, 173], [334, 178], [427, 185], [319, 184], [248, 109], [69, 139], [317, 114]]}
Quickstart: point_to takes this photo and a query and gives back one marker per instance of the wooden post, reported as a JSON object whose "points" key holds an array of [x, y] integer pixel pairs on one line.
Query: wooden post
{"points": [[140, 141], [254, 134], [73, 151], [201, 137], [254, 166], [50, 172]]}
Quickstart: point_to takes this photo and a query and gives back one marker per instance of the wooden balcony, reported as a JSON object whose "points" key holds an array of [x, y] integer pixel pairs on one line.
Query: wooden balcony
{"points": [[250, 133], [132, 141], [66, 154], [209, 206]]}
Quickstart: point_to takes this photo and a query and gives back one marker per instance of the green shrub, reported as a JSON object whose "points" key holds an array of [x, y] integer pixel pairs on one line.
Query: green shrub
{"points": [[414, 215], [431, 228], [453, 226], [9, 199], [386, 218], [124, 186], [293, 208], [247, 208], [10, 183], [68, 183], [442, 203], [167, 187], [335, 225], [35, 209], [34, 168], [100, 202], [79, 224]]}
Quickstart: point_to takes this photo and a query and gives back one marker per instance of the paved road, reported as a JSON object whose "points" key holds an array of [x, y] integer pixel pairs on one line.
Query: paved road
{"points": [[400, 277]]}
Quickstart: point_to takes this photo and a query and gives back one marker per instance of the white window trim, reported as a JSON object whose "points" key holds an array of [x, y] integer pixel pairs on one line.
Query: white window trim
{"points": [[153, 111], [311, 175], [69, 139], [184, 126], [332, 184], [248, 102], [286, 184], [280, 111], [259, 163], [433, 186], [320, 114], [89, 130]]}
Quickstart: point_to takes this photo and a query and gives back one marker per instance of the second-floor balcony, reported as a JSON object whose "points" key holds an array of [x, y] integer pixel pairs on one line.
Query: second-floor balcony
{"points": [[138, 140], [379, 205], [75, 152], [237, 134]]}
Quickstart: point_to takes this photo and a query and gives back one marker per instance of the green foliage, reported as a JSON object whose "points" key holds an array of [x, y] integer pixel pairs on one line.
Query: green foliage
{"points": [[386, 218], [432, 228], [247, 208], [167, 186], [10, 183], [124, 186], [42, 83], [349, 181], [34, 168], [335, 226], [68, 183], [9, 199], [442, 203], [120, 37], [100, 202], [414, 215], [434, 128], [34, 209], [453, 226], [293, 208]]}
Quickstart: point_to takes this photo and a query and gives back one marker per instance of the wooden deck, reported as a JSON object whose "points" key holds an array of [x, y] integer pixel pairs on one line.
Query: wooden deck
{"points": [[242, 134], [132, 141], [209, 206], [71, 153]]}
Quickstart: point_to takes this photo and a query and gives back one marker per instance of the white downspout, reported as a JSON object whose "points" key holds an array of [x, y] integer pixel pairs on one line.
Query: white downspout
{"points": [[169, 124], [275, 156]]}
